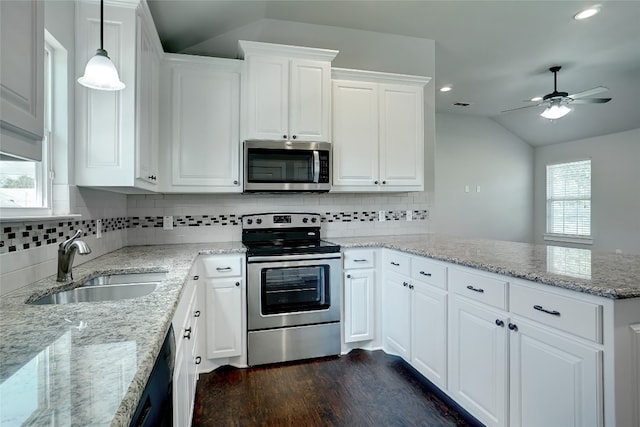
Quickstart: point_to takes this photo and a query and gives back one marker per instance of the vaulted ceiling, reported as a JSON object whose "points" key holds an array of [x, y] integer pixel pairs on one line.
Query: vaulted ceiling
{"points": [[494, 54]]}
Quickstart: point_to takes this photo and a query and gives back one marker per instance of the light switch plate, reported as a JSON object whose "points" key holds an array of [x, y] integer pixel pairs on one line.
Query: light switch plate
{"points": [[167, 222], [409, 215], [98, 228]]}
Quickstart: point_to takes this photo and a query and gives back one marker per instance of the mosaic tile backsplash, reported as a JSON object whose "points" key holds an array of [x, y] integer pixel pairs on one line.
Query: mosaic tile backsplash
{"points": [[22, 236]]}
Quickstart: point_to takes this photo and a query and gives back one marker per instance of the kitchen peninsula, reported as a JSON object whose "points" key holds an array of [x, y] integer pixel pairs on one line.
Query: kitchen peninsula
{"points": [[86, 335]]}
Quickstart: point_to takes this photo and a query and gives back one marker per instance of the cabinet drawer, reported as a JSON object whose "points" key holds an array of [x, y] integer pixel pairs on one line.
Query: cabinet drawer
{"points": [[397, 262], [222, 266], [575, 316], [429, 272], [359, 259], [485, 289]]}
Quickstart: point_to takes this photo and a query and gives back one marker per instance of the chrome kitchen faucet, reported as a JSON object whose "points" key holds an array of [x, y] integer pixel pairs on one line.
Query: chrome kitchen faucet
{"points": [[66, 252]]}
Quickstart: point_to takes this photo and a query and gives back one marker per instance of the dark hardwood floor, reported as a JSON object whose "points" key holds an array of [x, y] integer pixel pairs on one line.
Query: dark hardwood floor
{"points": [[358, 389]]}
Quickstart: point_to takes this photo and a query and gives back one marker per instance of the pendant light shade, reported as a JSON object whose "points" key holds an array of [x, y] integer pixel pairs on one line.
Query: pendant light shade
{"points": [[555, 112], [100, 73]]}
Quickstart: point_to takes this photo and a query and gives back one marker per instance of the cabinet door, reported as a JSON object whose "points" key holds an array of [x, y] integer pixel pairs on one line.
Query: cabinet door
{"points": [[355, 134], [147, 100], [267, 97], [22, 83], [181, 388], [429, 332], [359, 305], [310, 100], [224, 317], [396, 315], [401, 137], [478, 360], [205, 128], [554, 381]]}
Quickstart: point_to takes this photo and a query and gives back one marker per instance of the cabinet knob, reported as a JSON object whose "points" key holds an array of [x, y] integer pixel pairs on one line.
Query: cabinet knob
{"points": [[411, 286], [237, 283], [284, 136], [384, 182], [375, 182], [196, 277], [293, 137], [348, 276], [196, 313], [198, 360], [405, 284], [513, 326], [499, 322], [235, 182], [187, 333]]}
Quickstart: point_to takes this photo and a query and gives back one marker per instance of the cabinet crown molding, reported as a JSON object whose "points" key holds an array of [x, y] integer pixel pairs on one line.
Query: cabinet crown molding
{"points": [[257, 48], [377, 76]]}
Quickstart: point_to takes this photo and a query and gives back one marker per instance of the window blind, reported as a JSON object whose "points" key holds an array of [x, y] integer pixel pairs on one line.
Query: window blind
{"points": [[569, 198]]}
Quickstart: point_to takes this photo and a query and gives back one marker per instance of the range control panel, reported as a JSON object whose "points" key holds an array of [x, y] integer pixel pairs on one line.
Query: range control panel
{"points": [[280, 220]]}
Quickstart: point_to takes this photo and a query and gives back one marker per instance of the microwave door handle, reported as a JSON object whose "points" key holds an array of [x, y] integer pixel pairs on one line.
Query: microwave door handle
{"points": [[316, 166]]}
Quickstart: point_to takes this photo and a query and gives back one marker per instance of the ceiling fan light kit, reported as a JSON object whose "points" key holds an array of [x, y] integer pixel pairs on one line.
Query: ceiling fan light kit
{"points": [[586, 13], [555, 112], [100, 73]]}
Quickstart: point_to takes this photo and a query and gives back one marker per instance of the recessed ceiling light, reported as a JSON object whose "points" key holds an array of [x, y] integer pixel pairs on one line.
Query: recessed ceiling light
{"points": [[586, 13], [536, 99], [445, 89]]}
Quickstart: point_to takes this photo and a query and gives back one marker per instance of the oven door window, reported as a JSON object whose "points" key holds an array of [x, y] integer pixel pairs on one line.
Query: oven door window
{"points": [[280, 166], [294, 289]]}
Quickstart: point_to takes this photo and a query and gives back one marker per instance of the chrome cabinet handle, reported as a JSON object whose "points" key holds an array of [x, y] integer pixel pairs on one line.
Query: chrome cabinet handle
{"points": [[544, 310], [499, 322], [479, 290], [425, 274], [395, 263], [187, 333], [223, 268]]}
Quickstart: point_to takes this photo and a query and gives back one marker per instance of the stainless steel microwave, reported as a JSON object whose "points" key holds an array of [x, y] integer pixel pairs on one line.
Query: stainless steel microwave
{"points": [[280, 166]]}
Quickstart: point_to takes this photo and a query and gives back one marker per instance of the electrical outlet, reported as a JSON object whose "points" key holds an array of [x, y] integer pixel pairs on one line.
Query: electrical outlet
{"points": [[381, 216], [167, 222], [477, 188], [409, 215], [466, 188], [98, 228]]}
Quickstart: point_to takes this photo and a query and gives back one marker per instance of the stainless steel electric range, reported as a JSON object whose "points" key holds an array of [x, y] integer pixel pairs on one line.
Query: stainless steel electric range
{"points": [[293, 288]]}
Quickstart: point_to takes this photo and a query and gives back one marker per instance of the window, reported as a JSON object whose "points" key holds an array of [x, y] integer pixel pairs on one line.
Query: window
{"points": [[569, 201], [25, 186]]}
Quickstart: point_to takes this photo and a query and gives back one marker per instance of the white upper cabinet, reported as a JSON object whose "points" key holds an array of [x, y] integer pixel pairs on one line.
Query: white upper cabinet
{"points": [[200, 124], [378, 131], [117, 132], [288, 92], [22, 78]]}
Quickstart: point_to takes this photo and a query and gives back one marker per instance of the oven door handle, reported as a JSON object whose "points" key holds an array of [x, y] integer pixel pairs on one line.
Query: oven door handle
{"points": [[316, 166], [308, 257]]}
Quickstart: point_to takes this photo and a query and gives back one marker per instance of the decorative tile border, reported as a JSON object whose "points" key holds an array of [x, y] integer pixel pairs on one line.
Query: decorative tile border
{"points": [[22, 236]]}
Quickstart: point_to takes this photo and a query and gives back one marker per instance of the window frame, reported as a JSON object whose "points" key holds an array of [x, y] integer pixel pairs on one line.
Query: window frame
{"points": [[568, 237]]}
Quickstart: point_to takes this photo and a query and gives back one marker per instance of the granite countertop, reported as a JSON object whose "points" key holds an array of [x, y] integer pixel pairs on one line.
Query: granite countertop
{"points": [[604, 274], [88, 363]]}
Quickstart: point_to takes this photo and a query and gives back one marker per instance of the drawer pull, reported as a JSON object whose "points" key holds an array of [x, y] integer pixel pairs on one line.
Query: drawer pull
{"points": [[223, 268], [348, 276], [196, 313], [196, 277], [198, 360], [395, 263], [513, 326], [359, 260], [187, 333], [500, 323], [544, 310], [479, 290], [405, 284], [425, 274], [411, 286]]}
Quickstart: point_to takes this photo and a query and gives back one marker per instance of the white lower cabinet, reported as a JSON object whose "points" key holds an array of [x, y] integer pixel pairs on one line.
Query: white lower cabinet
{"points": [[359, 291], [186, 326], [396, 315], [554, 381], [478, 360], [224, 326]]}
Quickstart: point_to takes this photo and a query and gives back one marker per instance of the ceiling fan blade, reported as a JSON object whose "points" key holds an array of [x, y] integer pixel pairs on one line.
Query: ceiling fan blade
{"points": [[591, 101], [521, 108], [589, 92]]}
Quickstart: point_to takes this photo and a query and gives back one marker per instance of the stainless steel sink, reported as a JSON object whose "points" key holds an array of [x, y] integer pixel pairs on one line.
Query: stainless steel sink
{"points": [[107, 288]]}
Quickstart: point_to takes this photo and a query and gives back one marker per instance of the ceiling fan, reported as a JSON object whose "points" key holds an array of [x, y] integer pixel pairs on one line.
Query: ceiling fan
{"points": [[557, 102]]}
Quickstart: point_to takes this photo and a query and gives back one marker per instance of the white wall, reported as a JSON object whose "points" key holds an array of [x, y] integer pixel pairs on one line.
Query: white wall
{"points": [[477, 151], [615, 188]]}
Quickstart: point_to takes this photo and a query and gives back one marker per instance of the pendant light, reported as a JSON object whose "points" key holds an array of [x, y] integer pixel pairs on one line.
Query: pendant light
{"points": [[100, 73]]}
